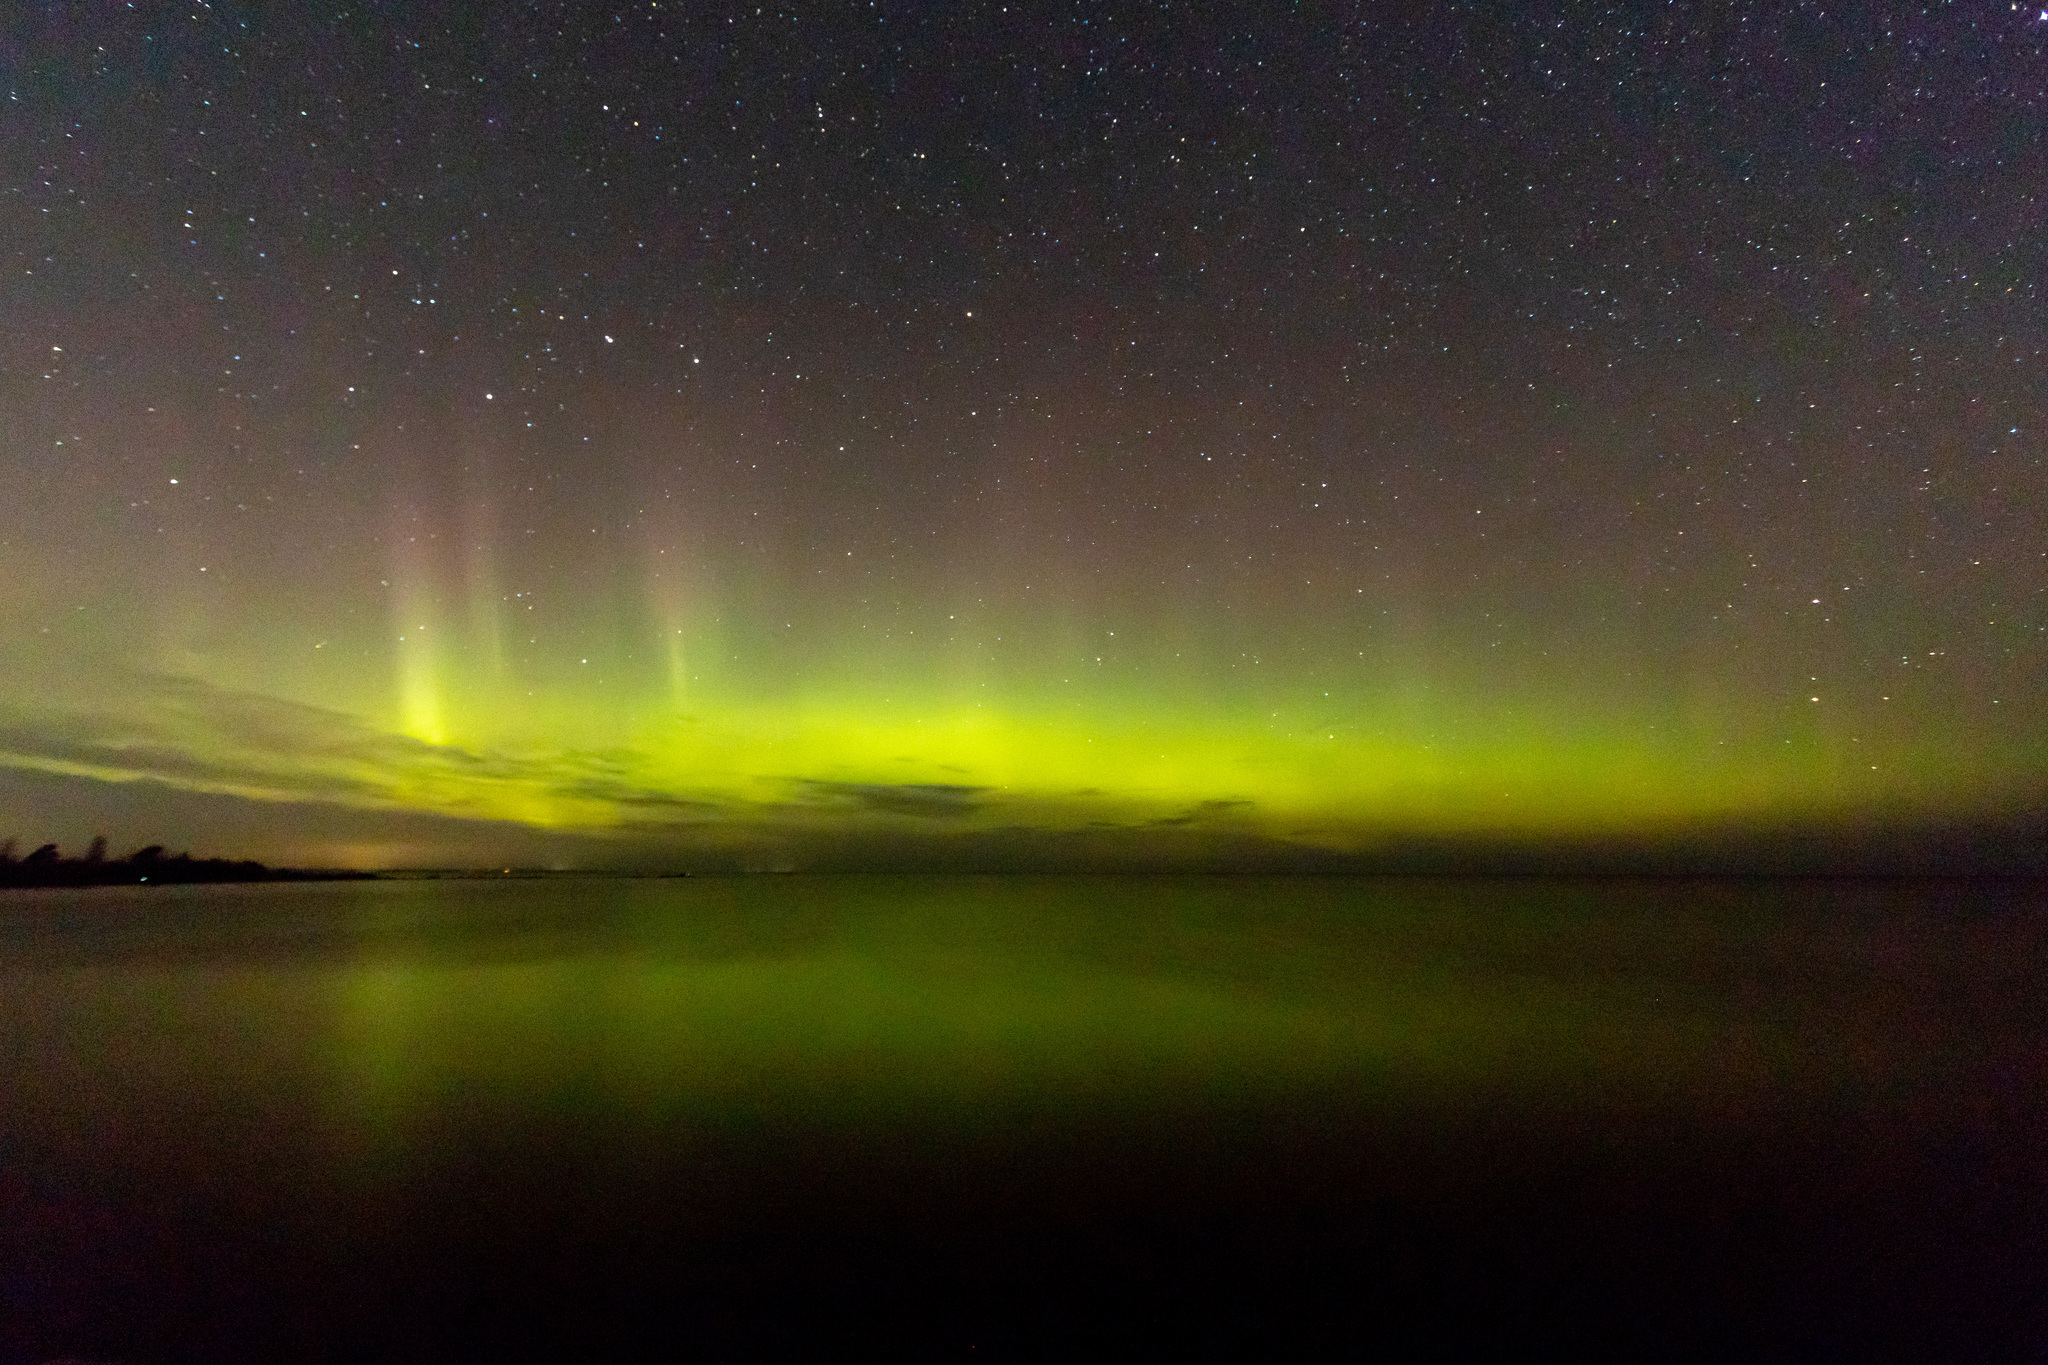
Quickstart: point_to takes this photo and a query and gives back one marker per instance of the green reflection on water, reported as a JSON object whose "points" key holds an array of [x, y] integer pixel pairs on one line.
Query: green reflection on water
{"points": [[373, 1021]]}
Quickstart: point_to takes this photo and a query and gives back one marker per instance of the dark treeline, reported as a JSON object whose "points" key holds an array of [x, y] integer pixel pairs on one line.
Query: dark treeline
{"points": [[46, 866]]}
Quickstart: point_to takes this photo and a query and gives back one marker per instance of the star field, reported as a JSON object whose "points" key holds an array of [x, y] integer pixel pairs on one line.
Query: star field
{"points": [[704, 427]]}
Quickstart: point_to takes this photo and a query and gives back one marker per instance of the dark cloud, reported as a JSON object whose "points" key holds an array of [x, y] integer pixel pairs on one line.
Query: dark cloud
{"points": [[928, 799], [38, 806], [1204, 811], [645, 802], [183, 732]]}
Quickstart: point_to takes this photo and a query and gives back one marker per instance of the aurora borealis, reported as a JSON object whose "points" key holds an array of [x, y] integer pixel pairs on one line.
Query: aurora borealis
{"points": [[675, 431]]}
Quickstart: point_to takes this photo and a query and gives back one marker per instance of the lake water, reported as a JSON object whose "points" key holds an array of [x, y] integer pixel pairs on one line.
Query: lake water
{"points": [[450, 1120]]}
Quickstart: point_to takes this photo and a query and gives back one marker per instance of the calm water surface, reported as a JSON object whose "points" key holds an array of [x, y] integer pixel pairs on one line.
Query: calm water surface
{"points": [[467, 1119]]}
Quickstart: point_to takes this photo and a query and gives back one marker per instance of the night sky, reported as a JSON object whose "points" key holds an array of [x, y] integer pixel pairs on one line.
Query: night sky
{"points": [[446, 433]]}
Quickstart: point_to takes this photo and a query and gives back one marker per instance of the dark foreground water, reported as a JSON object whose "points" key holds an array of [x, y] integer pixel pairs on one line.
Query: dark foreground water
{"points": [[954, 1116]]}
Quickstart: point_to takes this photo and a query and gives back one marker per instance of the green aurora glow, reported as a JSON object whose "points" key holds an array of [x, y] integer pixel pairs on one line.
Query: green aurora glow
{"points": [[720, 728], [615, 488]]}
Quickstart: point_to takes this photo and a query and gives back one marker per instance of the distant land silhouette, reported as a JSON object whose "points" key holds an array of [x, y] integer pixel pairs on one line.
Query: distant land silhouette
{"points": [[46, 866]]}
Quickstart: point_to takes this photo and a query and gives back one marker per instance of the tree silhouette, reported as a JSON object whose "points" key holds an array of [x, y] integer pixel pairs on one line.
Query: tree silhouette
{"points": [[47, 867]]}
